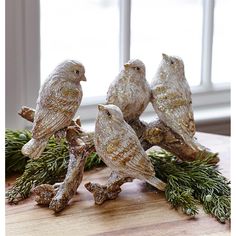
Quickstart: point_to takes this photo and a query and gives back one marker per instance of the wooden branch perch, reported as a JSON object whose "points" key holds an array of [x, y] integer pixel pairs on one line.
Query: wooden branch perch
{"points": [[110, 191], [75, 171], [151, 134], [81, 144], [58, 196]]}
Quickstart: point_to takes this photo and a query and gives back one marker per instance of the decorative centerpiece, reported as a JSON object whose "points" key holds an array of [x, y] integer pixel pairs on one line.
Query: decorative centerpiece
{"points": [[185, 170]]}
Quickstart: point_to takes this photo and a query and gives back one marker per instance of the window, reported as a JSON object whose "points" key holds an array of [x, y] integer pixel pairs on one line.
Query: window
{"points": [[173, 27], [83, 30], [224, 41], [104, 34]]}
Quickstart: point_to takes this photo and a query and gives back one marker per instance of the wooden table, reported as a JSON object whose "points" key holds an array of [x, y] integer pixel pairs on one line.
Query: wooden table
{"points": [[137, 211]]}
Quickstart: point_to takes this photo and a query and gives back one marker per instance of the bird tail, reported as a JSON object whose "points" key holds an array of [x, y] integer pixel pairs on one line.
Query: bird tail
{"points": [[157, 183], [34, 148], [193, 143]]}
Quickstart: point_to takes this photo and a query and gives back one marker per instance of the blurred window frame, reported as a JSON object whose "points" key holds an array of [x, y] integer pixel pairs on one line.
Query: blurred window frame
{"points": [[23, 61]]}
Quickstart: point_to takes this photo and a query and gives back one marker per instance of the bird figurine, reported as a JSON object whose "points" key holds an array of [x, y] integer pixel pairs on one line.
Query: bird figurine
{"points": [[130, 90], [118, 146], [59, 99], [171, 98]]}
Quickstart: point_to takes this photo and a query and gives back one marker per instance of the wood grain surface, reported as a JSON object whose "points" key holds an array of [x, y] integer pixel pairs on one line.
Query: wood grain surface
{"points": [[137, 211]]}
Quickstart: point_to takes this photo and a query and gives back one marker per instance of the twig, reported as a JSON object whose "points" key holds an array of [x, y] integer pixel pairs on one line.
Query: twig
{"points": [[109, 191], [59, 195], [75, 171], [81, 144]]}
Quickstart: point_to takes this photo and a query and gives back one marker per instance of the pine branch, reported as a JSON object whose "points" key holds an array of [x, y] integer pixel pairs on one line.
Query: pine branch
{"points": [[188, 183], [14, 160], [191, 183], [93, 161], [51, 167]]}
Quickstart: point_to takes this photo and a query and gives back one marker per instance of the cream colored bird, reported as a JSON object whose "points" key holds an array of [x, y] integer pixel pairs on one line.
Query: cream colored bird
{"points": [[130, 90], [119, 147], [171, 98], [58, 100]]}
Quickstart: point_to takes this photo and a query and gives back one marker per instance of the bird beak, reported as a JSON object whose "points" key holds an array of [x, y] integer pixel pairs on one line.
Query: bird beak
{"points": [[101, 107], [126, 65], [83, 78], [165, 57]]}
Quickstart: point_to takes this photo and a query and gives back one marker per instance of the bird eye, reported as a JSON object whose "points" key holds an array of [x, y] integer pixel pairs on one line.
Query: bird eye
{"points": [[76, 72], [108, 114], [137, 68], [171, 62]]}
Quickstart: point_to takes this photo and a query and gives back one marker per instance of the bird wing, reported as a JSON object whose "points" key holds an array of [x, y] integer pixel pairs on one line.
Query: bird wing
{"points": [[173, 106], [54, 110], [131, 155], [131, 97], [115, 94], [140, 163]]}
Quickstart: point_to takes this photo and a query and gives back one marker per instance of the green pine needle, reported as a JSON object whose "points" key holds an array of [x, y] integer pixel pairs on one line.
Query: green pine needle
{"points": [[93, 161], [14, 140], [188, 183], [51, 167], [191, 183]]}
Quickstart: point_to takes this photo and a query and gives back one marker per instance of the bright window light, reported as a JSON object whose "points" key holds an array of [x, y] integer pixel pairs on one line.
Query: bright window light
{"points": [[87, 31], [224, 41], [173, 27]]}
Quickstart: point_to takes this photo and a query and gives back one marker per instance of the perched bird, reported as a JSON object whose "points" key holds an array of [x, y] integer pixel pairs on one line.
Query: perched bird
{"points": [[171, 98], [130, 90], [119, 147], [58, 100]]}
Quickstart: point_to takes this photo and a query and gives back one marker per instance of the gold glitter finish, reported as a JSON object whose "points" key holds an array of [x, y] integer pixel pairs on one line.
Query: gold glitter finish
{"points": [[130, 91], [119, 147], [171, 98], [112, 146], [59, 98]]}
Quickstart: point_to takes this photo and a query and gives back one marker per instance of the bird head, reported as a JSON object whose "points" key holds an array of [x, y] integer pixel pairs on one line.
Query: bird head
{"points": [[135, 66], [73, 69], [172, 64], [111, 112]]}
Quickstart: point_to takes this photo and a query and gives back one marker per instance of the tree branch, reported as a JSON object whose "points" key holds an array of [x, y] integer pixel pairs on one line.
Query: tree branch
{"points": [[67, 189], [110, 191], [151, 134], [58, 195], [81, 144]]}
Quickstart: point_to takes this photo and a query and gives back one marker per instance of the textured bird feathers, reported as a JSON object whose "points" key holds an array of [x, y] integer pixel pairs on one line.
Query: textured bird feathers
{"points": [[34, 147], [57, 103], [130, 94], [119, 147], [55, 108], [154, 181], [131, 156], [171, 98], [173, 106]]}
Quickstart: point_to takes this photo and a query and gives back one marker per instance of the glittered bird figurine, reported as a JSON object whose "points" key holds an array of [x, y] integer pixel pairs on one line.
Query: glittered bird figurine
{"points": [[130, 90], [119, 147], [58, 100], [171, 98]]}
